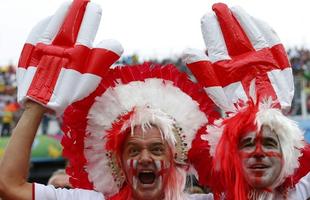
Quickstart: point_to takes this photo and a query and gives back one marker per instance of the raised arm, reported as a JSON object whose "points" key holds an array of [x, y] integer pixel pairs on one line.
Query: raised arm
{"points": [[14, 166]]}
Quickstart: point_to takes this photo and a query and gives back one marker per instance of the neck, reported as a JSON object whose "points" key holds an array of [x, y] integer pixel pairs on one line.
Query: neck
{"points": [[136, 198], [266, 195]]}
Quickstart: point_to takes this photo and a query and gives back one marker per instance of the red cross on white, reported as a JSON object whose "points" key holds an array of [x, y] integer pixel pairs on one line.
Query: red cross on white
{"points": [[58, 64], [243, 52]]}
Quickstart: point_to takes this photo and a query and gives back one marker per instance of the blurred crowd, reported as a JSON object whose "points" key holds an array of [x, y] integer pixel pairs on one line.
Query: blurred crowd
{"points": [[300, 59], [9, 108]]}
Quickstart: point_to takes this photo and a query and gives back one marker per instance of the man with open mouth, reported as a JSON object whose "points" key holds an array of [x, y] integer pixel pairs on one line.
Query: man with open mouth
{"points": [[146, 161]]}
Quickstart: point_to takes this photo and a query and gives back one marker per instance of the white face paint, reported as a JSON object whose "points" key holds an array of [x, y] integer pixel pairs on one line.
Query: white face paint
{"points": [[132, 166], [158, 164], [145, 158], [261, 157]]}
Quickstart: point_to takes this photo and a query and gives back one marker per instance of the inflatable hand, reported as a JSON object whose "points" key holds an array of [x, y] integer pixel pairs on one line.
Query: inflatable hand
{"points": [[58, 64], [244, 55]]}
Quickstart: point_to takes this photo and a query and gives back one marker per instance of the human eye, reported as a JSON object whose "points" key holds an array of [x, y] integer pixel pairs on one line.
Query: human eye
{"points": [[246, 143], [157, 150], [270, 143], [133, 151]]}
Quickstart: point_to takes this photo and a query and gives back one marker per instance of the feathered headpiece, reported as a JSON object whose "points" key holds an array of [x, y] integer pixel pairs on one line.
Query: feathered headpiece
{"points": [[130, 96]]}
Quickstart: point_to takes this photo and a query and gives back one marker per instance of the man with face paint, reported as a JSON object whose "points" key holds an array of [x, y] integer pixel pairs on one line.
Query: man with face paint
{"points": [[146, 162], [265, 152], [261, 157], [256, 152]]}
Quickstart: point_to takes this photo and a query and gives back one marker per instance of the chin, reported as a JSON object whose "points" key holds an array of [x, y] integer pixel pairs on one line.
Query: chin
{"points": [[148, 195], [262, 184]]}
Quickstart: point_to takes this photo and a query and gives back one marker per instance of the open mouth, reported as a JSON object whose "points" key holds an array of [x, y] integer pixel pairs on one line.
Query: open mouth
{"points": [[147, 177]]}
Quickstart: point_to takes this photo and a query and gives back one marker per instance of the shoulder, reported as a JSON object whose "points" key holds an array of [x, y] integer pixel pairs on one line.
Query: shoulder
{"points": [[301, 190], [199, 196], [52, 193]]}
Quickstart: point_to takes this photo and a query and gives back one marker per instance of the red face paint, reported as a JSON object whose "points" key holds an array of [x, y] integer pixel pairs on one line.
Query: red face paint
{"points": [[145, 158], [261, 157]]}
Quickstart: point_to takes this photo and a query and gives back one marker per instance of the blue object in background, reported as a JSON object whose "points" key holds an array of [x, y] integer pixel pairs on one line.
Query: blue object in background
{"points": [[305, 125]]}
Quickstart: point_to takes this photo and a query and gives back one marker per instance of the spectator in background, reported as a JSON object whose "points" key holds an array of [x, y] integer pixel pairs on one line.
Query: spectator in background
{"points": [[45, 124], [7, 120], [2, 83], [60, 179]]}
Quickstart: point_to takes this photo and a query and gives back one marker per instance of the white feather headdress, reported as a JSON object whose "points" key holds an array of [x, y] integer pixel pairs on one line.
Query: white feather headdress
{"points": [[139, 95]]}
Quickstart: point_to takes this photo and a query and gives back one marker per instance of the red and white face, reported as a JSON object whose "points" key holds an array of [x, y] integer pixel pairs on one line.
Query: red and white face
{"points": [[146, 159], [261, 157]]}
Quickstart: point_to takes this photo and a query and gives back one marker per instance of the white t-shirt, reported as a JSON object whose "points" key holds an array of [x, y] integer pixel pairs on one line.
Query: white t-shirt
{"points": [[43, 192], [302, 189], [49, 192]]}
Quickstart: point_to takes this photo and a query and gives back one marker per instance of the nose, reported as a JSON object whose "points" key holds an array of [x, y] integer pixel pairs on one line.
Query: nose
{"points": [[145, 157], [258, 154]]}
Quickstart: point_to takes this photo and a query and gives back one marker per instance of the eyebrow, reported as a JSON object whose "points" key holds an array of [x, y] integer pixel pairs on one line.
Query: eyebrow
{"points": [[132, 144], [245, 140], [151, 144], [272, 139]]}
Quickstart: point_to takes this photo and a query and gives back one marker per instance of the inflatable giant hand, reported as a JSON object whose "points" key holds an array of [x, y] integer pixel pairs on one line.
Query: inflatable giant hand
{"points": [[244, 55], [58, 64]]}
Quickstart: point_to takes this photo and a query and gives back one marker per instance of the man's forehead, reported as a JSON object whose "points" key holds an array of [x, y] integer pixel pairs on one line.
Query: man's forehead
{"points": [[265, 131], [150, 135], [148, 138]]}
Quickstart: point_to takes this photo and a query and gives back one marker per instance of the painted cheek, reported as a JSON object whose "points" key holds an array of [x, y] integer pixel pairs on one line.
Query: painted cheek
{"points": [[260, 151], [160, 166], [132, 169], [132, 166], [274, 154]]}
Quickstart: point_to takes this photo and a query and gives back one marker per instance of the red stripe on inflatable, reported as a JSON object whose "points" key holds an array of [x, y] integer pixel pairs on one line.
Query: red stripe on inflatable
{"points": [[235, 38], [69, 30], [279, 53], [45, 78], [253, 65], [264, 88], [100, 61], [81, 58], [204, 73], [245, 66], [25, 56]]}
